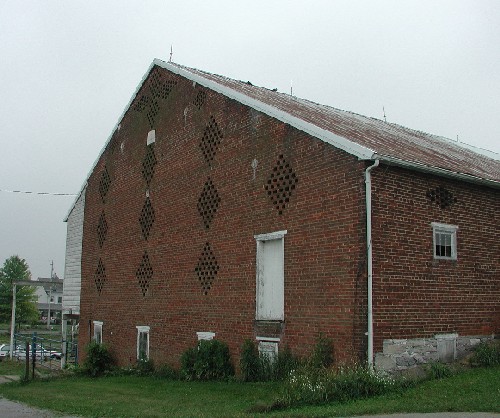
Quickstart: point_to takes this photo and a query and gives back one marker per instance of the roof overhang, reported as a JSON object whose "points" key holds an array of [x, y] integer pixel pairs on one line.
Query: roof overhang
{"points": [[437, 171]]}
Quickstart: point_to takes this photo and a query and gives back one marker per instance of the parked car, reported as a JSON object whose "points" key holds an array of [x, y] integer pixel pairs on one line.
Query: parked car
{"points": [[41, 353], [4, 351]]}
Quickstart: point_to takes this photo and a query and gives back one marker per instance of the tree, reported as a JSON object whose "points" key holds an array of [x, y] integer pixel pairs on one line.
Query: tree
{"points": [[14, 269]]}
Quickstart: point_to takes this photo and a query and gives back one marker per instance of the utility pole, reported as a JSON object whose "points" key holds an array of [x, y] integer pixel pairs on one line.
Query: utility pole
{"points": [[13, 319]]}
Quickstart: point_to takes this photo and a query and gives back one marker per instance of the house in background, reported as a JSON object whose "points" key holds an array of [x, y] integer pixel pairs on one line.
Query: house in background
{"points": [[50, 299], [218, 209]]}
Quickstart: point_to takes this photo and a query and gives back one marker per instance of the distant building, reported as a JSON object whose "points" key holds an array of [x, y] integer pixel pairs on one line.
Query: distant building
{"points": [[219, 209], [50, 297]]}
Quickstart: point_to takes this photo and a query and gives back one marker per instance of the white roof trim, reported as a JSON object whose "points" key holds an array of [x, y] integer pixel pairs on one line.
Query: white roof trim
{"points": [[344, 144]]}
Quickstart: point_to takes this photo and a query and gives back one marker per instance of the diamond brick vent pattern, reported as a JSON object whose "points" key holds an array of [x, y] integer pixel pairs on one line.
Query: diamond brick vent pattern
{"points": [[280, 184], [159, 88], [443, 197], [100, 276], [147, 218], [144, 273], [210, 141], [207, 268], [104, 184], [149, 163], [200, 99], [208, 202], [102, 229]]}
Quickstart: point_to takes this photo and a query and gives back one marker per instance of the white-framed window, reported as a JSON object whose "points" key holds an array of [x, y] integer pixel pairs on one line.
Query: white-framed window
{"points": [[444, 239], [97, 332], [205, 335], [142, 342], [270, 289], [268, 347]]}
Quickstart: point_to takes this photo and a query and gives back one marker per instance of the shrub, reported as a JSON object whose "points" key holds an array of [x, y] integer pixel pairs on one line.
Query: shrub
{"points": [[210, 360], [322, 355], [257, 367], [486, 355], [98, 361], [145, 367], [284, 363], [250, 362]]}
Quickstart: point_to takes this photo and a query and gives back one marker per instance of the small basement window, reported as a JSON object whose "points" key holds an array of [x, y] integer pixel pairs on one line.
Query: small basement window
{"points": [[142, 343], [97, 332], [444, 241], [268, 347]]}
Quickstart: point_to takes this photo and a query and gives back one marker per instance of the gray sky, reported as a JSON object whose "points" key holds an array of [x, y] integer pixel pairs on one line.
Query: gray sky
{"points": [[68, 69]]}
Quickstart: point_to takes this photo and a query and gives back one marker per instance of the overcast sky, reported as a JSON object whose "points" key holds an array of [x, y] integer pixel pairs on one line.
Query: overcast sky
{"points": [[69, 68]]}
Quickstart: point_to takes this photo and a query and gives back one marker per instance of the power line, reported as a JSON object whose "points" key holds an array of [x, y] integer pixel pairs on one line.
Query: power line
{"points": [[37, 193]]}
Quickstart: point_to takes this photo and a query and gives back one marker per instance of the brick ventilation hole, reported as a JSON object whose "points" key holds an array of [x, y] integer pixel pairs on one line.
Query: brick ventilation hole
{"points": [[200, 99], [210, 140], [159, 88], [104, 184], [280, 184], [142, 103], [443, 197], [207, 268], [102, 229], [152, 113], [100, 276], [147, 218], [144, 273], [208, 202], [148, 164]]}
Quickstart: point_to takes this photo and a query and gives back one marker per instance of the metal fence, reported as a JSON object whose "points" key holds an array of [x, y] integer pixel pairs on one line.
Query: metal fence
{"points": [[44, 353]]}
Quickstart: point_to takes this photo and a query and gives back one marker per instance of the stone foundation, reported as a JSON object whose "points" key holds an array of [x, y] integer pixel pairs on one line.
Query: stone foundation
{"points": [[402, 354]]}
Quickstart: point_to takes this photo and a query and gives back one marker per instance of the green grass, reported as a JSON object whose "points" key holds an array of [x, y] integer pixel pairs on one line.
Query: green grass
{"points": [[11, 367], [131, 396]]}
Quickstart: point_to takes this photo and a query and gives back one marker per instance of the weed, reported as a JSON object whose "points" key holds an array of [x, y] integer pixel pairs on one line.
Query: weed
{"points": [[439, 371], [486, 354]]}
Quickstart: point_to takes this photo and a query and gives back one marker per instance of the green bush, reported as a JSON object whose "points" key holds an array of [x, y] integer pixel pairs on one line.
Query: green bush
{"points": [[284, 363], [486, 354], [145, 367], [98, 361], [210, 360], [256, 367], [322, 355], [250, 362]]}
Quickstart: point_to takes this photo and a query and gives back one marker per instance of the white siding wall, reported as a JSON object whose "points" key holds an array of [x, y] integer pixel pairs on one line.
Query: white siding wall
{"points": [[73, 263]]}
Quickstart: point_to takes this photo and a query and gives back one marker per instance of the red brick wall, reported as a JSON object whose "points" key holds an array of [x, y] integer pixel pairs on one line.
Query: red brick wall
{"points": [[415, 295], [325, 280]]}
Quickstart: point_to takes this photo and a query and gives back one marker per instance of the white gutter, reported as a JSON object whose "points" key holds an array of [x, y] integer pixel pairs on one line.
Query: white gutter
{"points": [[368, 183]]}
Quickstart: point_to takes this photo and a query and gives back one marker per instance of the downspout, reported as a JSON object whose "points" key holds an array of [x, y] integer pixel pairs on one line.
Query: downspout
{"points": [[368, 183]]}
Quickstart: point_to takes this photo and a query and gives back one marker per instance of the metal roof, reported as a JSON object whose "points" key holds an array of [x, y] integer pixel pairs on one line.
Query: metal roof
{"points": [[364, 137]]}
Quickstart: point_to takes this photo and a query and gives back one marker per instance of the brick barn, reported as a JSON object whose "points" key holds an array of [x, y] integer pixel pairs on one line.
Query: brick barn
{"points": [[218, 209]]}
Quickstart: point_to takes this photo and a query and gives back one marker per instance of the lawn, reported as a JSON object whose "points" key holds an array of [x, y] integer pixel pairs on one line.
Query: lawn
{"points": [[132, 396]]}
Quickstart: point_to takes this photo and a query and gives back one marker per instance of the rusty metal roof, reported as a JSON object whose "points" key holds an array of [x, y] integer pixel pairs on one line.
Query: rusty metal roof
{"points": [[362, 136]]}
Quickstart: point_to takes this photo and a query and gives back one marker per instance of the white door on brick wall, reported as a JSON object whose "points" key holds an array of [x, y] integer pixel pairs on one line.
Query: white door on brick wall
{"points": [[270, 280]]}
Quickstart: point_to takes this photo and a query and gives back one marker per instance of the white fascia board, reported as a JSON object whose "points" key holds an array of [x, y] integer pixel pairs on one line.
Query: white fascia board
{"points": [[438, 171], [342, 143]]}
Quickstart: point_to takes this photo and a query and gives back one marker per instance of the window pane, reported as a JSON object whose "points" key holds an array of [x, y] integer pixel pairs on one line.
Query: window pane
{"points": [[143, 346]]}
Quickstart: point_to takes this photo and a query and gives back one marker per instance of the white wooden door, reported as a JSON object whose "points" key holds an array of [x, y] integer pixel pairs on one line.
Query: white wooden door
{"points": [[270, 280]]}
